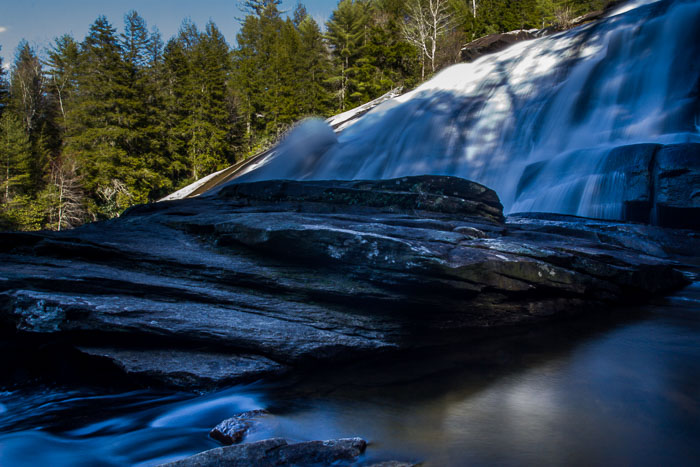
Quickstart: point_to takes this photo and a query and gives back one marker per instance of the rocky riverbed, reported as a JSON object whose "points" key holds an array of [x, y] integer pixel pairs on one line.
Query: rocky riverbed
{"points": [[262, 279]]}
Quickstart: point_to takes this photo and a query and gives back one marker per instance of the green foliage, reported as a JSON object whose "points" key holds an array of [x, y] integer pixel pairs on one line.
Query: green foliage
{"points": [[203, 130], [16, 163], [4, 86], [17, 210], [494, 16], [347, 35], [313, 71], [280, 71]]}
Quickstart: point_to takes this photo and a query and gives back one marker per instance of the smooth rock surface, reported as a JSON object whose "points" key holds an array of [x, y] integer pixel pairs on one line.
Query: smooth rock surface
{"points": [[259, 279], [187, 368], [277, 452]]}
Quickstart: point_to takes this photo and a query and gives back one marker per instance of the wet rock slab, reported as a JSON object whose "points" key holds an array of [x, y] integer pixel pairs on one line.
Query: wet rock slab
{"points": [[186, 369], [259, 279], [278, 452]]}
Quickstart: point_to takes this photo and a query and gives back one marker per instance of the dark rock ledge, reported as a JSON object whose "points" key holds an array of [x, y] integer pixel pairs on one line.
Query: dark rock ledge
{"points": [[278, 452], [261, 278]]}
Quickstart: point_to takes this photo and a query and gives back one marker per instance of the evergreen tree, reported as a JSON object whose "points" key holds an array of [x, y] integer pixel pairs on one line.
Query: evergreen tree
{"points": [[29, 100], [4, 86], [300, 14], [347, 34], [143, 109], [98, 132], [26, 87], [258, 7], [15, 150], [199, 64], [248, 75], [265, 65], [394, 61], [313, 71], [62, 74], [157, 119], [135, 41]]}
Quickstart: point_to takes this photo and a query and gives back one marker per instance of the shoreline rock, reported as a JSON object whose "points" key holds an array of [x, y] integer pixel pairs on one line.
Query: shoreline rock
{"points": [[278, 452], [260, 279]]}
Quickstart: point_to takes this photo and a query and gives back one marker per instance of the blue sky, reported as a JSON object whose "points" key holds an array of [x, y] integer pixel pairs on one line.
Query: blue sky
{"points": [[41, 21]]}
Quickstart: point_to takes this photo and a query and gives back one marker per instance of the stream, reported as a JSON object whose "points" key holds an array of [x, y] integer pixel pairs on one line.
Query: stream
{"points": [[619, 390]]}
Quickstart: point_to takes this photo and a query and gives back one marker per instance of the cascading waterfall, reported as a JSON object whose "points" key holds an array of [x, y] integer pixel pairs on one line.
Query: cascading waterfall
{"points": [[535, 122]]}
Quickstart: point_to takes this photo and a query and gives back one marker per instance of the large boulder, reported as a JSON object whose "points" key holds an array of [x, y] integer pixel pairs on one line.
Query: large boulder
{"points": [[676, 185], [263, 278], [635, 163]]}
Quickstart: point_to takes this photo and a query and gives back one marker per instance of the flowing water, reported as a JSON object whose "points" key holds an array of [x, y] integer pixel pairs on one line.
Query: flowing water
{"points": [[623, 391], [558, 104]]}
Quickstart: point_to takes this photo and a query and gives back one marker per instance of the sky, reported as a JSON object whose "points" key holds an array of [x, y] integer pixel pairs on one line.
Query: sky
{"points": [[41, 21]]}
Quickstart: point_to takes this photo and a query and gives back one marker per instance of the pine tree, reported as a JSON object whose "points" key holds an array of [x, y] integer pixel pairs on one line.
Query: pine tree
{"points": [[99, 125], [15, 150], [258, 7], [62, 74], [313, 71], [29, 100], [4, 86], [142, 108], [248, 76], [26, 87], [198, 65], [135, 41], [155, 93], [264, 72], [300, 14], [347, 29]]}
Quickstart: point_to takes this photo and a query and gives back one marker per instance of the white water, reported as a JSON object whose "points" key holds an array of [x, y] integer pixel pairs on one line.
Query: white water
{"points": [[565, 99]]}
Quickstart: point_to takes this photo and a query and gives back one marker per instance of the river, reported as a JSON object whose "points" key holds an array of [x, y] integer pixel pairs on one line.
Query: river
{"points": [[624, 389]]}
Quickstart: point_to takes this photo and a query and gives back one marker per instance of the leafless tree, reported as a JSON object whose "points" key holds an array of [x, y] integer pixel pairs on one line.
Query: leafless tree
{"points": [[427, 21], [563, 17], [69, 206], [116, 196]]}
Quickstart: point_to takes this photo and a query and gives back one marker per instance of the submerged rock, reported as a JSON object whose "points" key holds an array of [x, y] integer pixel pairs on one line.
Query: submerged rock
{"points": [[277, 452], [262, 278]]}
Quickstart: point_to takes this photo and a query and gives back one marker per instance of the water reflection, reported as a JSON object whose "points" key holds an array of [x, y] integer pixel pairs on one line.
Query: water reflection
{"points": [[619, 391]]}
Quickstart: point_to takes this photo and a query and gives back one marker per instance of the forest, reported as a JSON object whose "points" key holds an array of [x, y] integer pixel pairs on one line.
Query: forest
{"points": [[91, 127]]}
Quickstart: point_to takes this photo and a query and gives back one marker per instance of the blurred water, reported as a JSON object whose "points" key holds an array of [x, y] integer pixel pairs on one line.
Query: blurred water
{"points": [[566, 99], [619, 392]]}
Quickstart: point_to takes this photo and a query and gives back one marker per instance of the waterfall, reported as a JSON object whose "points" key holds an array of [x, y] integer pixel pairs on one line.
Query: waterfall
{"points": [[537, 122]]}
